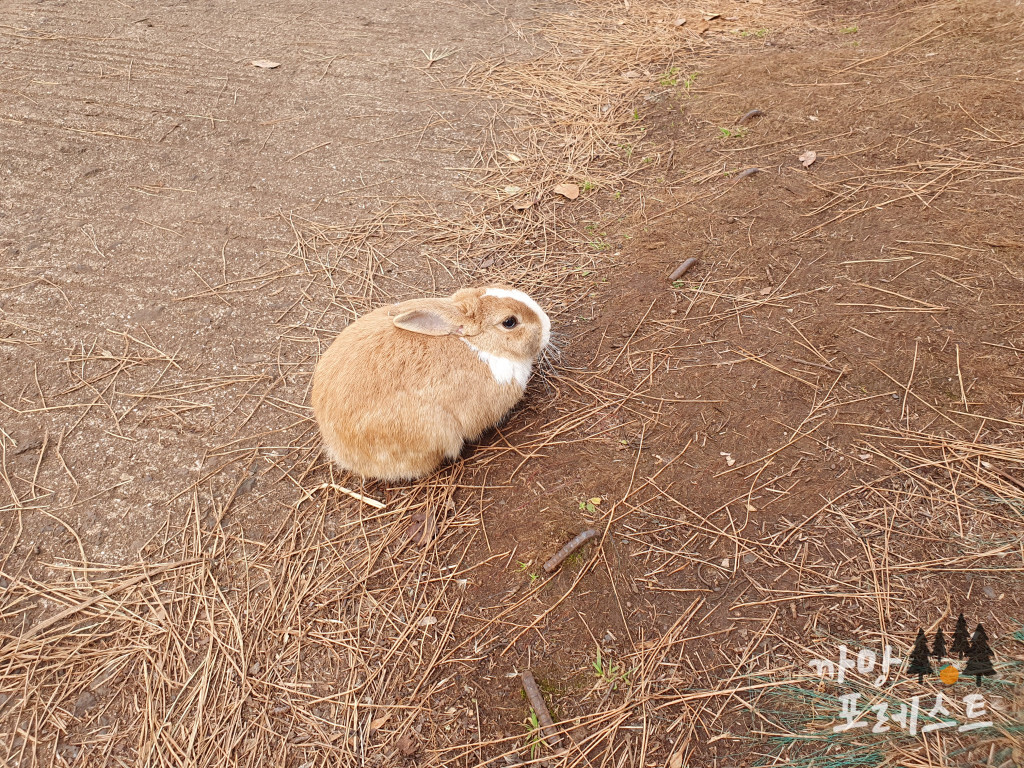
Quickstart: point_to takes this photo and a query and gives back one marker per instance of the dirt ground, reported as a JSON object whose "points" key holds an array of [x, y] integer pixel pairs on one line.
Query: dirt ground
{"points": [[147, 162], [813, 437]]}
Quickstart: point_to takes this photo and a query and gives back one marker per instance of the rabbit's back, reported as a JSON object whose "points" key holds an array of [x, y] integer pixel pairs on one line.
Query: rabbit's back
{"points": [[393, 404]]}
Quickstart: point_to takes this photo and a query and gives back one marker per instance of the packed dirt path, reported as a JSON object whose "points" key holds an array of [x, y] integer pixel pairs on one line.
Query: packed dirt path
{"points": [[810, 441], [145, 160]]}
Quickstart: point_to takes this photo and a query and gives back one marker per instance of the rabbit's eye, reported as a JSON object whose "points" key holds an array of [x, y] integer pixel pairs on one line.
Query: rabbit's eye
{"points": [[510, 322]]}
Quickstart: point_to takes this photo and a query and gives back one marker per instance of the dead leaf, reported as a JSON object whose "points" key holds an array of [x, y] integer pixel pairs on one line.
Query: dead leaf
{"points": [[376, 724], [514, 158], [266, 64], [676, 761], [807, 158], [406, 744], [702, 28], [711, 16], [421, 528], [428, 621], [488, 262], [631, 74], [511, 189], [522, 205], [570, 191], [766, 291], [595, 501], [680, 22]]}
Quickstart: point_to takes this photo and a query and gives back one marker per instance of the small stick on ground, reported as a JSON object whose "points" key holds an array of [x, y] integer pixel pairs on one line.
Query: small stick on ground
{"points": [[568, 549], [547, 726], [750, 116], [357, 496], [681, 270]]}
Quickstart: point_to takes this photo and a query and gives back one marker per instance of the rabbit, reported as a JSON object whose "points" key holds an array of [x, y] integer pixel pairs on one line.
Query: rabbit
{"points": [[402, 388]]}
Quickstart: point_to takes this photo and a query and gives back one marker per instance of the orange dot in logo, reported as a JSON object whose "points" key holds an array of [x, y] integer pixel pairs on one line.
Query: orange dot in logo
{"points": [[949, 674]]}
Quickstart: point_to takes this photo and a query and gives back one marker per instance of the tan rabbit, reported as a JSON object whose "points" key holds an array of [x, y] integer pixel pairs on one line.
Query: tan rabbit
{"points": [[403, 387]]}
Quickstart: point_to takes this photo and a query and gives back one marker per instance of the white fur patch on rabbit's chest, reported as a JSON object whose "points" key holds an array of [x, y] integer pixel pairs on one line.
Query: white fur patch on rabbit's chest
{"points": [[504, 370]]}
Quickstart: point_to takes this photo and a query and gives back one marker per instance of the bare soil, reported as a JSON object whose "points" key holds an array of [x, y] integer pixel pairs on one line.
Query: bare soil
{"points": [[151, 178], [813, 437]]}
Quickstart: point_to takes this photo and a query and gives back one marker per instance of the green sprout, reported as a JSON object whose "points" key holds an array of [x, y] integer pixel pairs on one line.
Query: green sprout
{"points": [[669, 77], [533, 736], [609, 672], [732, 133]]}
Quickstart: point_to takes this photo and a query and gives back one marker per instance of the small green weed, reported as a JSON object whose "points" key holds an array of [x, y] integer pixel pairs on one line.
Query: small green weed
{"points": [[576, 558], [609, 672], [669, 77], [733, 133], [523, 568], [849, 30], [533, 737]]}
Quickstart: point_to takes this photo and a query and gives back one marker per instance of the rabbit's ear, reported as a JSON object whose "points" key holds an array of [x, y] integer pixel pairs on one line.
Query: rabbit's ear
{"points": [[431, 322]]}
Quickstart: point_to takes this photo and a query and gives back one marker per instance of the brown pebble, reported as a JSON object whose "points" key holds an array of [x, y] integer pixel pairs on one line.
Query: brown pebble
{"points": [[681, 270]]}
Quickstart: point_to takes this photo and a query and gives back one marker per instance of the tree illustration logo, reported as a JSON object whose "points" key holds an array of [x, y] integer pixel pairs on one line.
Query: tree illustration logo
{"points": [[979, 656], [961, 640], [939, 646], [919, 658], [974, 647]]}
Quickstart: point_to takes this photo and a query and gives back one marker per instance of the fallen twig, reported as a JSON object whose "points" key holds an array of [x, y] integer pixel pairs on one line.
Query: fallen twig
{"points": [[681, 270], [568, 549], [547, 726]]}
